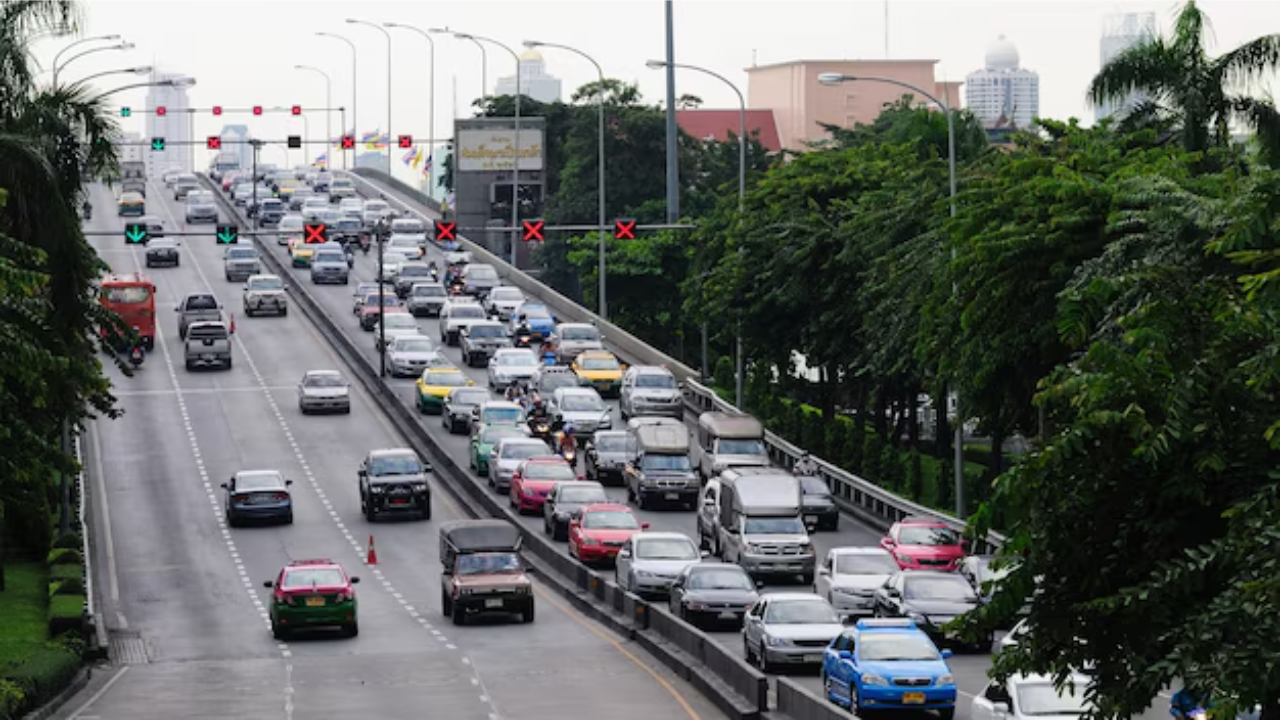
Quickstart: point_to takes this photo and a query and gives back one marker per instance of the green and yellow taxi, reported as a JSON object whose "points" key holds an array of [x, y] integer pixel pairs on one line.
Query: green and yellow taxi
{"points": [[311, 594], [436, 384], [300, 252], [132, 203], [601, 370], [485, 438]]}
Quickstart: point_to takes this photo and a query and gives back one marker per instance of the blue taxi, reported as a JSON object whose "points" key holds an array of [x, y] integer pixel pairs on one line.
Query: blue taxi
{"points": [[888, 664]]}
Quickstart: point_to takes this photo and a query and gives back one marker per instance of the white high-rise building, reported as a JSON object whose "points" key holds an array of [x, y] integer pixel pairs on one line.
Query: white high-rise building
{"points": [[1119, 33], [131, 149], [234, 141], [174, 126], [1003, 94], [534, 80]]}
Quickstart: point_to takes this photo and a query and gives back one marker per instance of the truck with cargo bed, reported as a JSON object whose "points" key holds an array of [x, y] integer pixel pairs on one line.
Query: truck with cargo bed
{"points": [[482, 570]]}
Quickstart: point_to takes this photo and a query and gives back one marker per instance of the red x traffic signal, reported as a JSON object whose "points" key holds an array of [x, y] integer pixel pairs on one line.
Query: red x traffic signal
{"points": [[406, 142], [533, 230], [624, 229], [161, 110], [315, 234], [257, 109], [446, 230], [217, 109], [213, 142], [296, 109], [348, 142]]}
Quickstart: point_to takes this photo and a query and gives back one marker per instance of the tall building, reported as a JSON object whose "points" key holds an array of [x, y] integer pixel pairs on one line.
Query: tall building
{"points": [[1003, 94], [798, 102], [1119, 33], [174, 126], [133, 151], [534, 80], [233, 141]]}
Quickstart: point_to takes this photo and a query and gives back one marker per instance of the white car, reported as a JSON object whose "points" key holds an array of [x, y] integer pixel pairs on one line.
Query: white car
{"points": [[511, 364], [394, 325], [848, 578], [408, 245], [409, 355], [1024, 697], [457, 315], [581, 407], [322, 390], [351, 205], [391, 262], [290, 226], [503, 301]]}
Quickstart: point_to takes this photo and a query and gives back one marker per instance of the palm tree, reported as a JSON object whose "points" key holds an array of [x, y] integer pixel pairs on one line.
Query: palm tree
{"points": [[1202, 96]]}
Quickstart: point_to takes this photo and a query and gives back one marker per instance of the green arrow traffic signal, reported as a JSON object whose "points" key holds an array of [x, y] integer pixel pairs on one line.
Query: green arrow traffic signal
{"points": [[125, 112], [228, 234], [157, 143], [135, 234]]}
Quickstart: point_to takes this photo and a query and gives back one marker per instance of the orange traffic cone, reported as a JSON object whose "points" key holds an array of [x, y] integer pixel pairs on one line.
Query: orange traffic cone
{"points": [[232, 328], [373, 553]]}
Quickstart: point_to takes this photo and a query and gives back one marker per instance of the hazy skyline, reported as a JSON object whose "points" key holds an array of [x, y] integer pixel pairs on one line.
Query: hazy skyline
{"points": [[244, 53]]}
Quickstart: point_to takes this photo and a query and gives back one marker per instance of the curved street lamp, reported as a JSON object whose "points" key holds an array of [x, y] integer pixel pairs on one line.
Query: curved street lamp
{"points": [[431, 104], [387, 35], [73, 58], [328, 105], [355, 123], [180, 82], [97, 38], [484, 58], [144, 70]]}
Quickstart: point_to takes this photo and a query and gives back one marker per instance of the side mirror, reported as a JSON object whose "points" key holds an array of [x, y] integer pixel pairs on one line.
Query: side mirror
{"points": [[428, 467], [759, 584], [178, 309], [269, 584], [362, 472], [709, 502], [886, 543], [287, 483], [846, 655], [355, 580], [893, 592], [624, 553], [947, 654]]}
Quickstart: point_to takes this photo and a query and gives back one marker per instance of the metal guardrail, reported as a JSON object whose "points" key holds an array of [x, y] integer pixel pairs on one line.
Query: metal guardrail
{"points": [[861, 498]]}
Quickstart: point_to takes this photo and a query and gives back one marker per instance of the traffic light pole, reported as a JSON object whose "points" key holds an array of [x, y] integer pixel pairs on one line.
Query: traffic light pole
{"points": [[382, 307]]}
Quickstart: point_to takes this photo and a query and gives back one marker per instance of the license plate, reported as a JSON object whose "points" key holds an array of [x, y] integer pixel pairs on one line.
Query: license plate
{"points": [[728, 615], [913, 698], [672, 496], [811, 519], [493, 603], [815, 659], [207, 357], [399, 501], [315, 602]]}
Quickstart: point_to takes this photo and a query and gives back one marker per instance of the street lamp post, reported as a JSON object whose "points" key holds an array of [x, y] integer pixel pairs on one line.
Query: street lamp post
{"points": [[58, 68], [604, 305], [181, 82], [515, 166], [484, 57], [355, 123], [742, 199], [56, 58], [328, 107], [122, 71], [431, 105], [387, 35], [836, 79]]}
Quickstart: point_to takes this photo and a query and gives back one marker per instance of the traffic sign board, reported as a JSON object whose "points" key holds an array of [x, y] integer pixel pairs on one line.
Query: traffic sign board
{"points": [[446, 230], [135, 234], [157, 144], [296, 109], [624, 229], [406, 141], [348, 142], [161, 110], [126, 111], [295, 141], [217, 109], [228, 234], [213, 142], [315, 234], [533, 230]]}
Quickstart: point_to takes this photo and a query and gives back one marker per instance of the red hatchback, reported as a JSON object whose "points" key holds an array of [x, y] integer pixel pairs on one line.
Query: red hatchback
{"points": [[600, 531], [918, 543], [533, 480]]}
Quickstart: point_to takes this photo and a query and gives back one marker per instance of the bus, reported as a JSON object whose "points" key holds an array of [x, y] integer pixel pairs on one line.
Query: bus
{"points": [[133, 297]]}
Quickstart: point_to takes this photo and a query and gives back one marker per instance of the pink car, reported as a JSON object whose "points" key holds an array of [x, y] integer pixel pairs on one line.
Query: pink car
{"points": [[923, 544]]}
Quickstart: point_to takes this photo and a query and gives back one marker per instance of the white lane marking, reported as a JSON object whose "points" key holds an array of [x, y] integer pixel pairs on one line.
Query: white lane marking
{"points": [[108, 542], [202, 391], [96, 696]]}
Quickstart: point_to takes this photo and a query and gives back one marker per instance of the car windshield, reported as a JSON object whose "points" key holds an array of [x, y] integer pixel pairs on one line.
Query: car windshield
{"points": [[579, 334], [266, 284], [611, 443], [399, 322], [600, 363], [654, 380], [375, 206], [325, 380], [481, 272], [773, 526], [502, 415], [676, 463], [549, 471], [336, 258], [259, 481], [388, 299], [395, 465], [868, 564], [312, 577], [535, 312], [522, 451], [552, 381], [366, 288], [487, 563], [409, 271], [581, 402], [272, 205], [428, 291], [667, 549], [407, 227], [517, 360], [413, 345], [887, 647], [347, 224], [1042, 698], [445, 379], [719, 579], [927, 536], [469, 397], [291, 223], [810, 485], [506, 294], [466, 311], [799, 612], [942, 587], [583, 495], [202, 302], [494, 435], [488, 331], [610, 520], [242, 254], [740, 446]]}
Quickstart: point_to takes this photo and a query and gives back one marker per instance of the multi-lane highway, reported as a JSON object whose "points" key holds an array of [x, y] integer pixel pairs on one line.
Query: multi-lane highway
{"points": [[337, 301], [182, 593]]}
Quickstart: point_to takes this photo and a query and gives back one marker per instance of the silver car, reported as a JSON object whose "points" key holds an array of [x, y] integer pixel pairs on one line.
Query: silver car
{"points": [[848, 578], [324, 390], [503, 300], [392, 326], [426, 298], [649, 562], [265, 293], [566, 500], [510, 365], [789, 629], [573, 339], [241, 263], [409, 355], [581, 407], [650, 390], [507, 456]]}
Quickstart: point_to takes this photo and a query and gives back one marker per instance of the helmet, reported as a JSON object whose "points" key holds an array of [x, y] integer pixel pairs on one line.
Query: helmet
{"points": [[515, 384], [568, 429]]}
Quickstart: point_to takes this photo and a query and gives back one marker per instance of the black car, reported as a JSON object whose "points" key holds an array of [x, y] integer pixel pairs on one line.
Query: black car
{"points": [[346, 231], [394, 481], [566, 500], [819, 506], [713, 593], [162, 251], [606, 454], [932, 599], [459, 405]]}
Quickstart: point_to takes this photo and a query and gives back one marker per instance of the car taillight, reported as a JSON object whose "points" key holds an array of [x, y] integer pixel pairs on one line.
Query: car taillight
{"points": [[240, 497], [281, 496], [346, 596]]}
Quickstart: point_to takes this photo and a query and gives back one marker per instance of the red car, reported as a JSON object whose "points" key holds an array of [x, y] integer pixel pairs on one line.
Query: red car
{"points": [[600, 531], [533, 479], [371, 311], [313, 593], [918, 543]]}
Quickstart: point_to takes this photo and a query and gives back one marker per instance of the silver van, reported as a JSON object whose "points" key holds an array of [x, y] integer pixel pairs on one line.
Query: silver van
{"points": [[726, 440]]}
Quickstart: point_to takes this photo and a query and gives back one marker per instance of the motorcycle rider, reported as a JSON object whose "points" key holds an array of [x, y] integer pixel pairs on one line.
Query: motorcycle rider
{"points": [[569, 445], [88, 209], [434, 270], [805, 466], [523, 332], [1185, 704], [137, 351], [515, 391]]}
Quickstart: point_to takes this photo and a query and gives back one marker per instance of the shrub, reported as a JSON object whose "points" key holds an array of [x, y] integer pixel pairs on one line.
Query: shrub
{"points": [[70, 586], [44, 675], [70, 540], [11, 699], [724, 373], [65, 556], [66, 614], [66, 572]]}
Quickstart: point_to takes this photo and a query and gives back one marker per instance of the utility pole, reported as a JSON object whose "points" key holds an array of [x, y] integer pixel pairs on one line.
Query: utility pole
{"points": [[673, 133]]}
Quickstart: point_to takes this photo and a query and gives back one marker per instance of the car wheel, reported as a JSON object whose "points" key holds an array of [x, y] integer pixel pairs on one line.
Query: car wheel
{"points": [[446, 603], [353, 629], [426, 514], [527, 615], [459, 616], [762, 662], [278, 632], [947, 713], [855, 702], [284, 311], [288, 519], [303, 409], [370, 513]]}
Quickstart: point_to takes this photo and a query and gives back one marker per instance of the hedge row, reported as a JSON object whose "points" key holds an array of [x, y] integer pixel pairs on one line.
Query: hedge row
{"points": [[66, 591], [38, 680]]}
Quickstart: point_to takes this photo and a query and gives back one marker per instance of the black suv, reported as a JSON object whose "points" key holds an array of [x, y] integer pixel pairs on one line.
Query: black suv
{"points": [[394, 481]]}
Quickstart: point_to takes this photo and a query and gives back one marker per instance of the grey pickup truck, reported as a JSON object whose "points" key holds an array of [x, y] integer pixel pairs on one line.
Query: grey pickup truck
{"points": [[208, 344], [197, 307]]}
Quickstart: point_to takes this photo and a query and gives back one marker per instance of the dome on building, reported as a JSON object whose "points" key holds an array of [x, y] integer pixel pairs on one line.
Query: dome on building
{"points": [[1002, 55], [531, 55]]}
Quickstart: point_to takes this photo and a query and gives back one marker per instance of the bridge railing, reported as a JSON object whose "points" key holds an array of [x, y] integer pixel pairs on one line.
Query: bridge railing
{"points": [[859, 497]]}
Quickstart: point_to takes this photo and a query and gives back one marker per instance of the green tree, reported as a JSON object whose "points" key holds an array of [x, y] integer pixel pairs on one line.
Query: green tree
{"points": [[1182, 83]]}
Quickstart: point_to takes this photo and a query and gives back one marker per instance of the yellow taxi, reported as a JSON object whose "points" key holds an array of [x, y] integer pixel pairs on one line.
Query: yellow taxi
{"points": [[435, 384], [132, 203], [286, 190], [601, 370], [300, 252]]}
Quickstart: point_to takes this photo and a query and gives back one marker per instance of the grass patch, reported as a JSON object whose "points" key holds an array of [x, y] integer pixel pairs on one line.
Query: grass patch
{"points": [[24, 613]]}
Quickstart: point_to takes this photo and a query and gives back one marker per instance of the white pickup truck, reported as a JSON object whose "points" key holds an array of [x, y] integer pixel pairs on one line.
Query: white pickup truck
{"points": [[208, 344]]}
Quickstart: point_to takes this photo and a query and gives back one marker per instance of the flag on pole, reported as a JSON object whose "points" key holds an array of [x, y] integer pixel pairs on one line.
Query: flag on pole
{"points": [[321, 161], [376, 140], [411, 157], [417, 158], [426, 167]]}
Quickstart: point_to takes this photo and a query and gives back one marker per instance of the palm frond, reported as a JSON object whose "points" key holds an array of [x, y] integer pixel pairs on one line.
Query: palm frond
{"points": [[1262, 117], [20, 21], [1246, 64], [1151, 68], [1188, 30]]}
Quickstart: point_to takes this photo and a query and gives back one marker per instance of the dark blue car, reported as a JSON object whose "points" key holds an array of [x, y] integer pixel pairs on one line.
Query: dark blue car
{"points": [[258, 495], [541, 321], [888, 664]]}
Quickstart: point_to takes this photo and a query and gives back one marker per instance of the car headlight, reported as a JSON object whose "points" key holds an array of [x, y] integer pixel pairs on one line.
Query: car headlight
{"points": [[776, 641], [872, 679], [645, 573], [592, 542], [375, 489], [904, 559], [945, 680], [845, 591], [419, 487], [606, 422]]}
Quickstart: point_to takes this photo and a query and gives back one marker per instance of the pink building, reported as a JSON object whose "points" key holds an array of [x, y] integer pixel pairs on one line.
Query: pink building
{"points": [[799, 102], [718, 125]]}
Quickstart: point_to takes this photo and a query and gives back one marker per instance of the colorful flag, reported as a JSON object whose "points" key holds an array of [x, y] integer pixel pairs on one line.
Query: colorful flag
{"points": [[411, 157], [376, 140], [321, 161]]}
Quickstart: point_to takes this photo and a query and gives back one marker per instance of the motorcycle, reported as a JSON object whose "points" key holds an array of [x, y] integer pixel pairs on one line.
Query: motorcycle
{"points": [[570, 454], [137, 355], [524, 340], [365, 243], [540, 428]]}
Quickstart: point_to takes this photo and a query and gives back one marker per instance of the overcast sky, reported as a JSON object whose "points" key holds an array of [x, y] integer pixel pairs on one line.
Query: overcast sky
{"points": [[244, 53]]}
